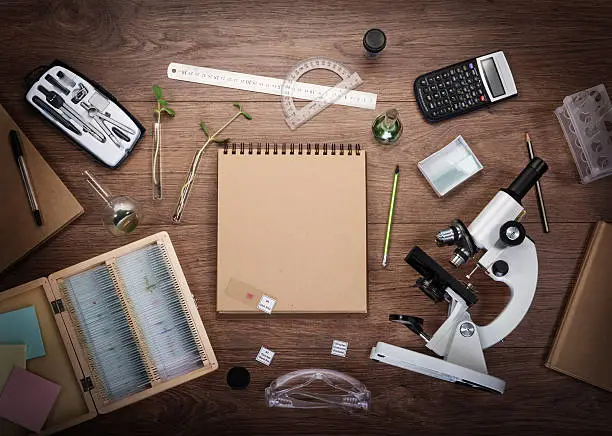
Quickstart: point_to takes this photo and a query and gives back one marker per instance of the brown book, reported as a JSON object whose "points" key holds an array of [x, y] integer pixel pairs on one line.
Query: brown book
{"points": [[583, 346], [19, 233], [292, 226]]}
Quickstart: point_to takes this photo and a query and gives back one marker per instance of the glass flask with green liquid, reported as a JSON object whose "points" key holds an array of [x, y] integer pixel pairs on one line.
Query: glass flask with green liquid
{"points": [[387, 127]]}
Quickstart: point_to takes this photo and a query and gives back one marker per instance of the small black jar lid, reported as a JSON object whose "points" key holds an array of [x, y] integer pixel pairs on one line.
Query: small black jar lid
{"points": [[238, 377], [374, 40]]}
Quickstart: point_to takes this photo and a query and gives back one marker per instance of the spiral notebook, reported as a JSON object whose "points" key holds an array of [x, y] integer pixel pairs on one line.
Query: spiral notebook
{"points": [[291, 228]]}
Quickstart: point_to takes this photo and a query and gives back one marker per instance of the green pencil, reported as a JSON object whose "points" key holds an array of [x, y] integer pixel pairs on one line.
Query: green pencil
{"points": [[390, 219]]}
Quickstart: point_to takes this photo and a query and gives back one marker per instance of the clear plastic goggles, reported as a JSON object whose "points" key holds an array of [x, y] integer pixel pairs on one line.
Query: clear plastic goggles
{"points": [[317, 389]]}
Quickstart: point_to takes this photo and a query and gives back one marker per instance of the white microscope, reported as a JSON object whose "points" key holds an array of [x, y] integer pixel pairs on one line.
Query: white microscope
{"points": [[509, 257]]}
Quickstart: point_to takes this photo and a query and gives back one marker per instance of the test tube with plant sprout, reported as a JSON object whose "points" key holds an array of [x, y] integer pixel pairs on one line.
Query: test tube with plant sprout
{"points": [[162, 107], [193, 170]]}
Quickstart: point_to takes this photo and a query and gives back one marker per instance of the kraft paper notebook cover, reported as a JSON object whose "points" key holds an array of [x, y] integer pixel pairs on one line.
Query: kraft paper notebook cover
{"points": [[19, 234], [583, 345], [292, 226], [117, 328]]}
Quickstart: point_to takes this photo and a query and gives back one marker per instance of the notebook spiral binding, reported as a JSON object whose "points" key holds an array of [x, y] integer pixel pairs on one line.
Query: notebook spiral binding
{"points": [[191, 323], [292, 148]]}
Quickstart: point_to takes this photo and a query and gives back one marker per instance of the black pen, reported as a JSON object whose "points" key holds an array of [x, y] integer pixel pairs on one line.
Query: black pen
{"points": [[25, 175]]}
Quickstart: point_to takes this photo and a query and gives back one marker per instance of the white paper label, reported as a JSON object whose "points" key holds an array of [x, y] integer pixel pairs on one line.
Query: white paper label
{"points": [[265, 356], [339, 348], [266, 304]]}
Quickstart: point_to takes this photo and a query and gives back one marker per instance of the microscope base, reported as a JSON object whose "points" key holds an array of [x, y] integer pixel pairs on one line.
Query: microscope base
{"points": [[435, 367]]}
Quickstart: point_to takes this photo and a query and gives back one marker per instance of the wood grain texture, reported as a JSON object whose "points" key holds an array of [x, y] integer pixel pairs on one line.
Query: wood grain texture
{"points": [[555, 48], [495, 136]]}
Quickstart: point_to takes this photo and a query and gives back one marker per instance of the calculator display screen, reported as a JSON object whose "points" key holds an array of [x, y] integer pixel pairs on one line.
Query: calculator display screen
{"points": [[492, 76]]}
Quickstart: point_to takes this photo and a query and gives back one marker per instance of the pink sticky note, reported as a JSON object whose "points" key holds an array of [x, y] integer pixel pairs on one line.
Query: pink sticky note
{"points": [[27, 399]]}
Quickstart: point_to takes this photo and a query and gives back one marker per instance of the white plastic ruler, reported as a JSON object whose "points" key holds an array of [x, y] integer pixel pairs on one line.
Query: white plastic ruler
{"points": [[266, 85]]}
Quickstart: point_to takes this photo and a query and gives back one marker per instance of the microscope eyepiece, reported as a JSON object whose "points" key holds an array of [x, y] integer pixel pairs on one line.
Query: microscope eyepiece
{"points": [[527, 178]]}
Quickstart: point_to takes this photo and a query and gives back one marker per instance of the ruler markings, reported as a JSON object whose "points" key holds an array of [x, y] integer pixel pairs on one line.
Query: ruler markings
{"points": [[266, 85]]}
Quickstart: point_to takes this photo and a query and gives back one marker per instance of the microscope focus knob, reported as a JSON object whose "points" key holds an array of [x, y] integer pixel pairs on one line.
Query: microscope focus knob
{"points": [[512, 233], [500, 268]]}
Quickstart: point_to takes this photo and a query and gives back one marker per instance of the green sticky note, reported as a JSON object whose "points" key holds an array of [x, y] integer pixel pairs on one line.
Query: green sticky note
{"points": [[20, 327], [10, 357]]}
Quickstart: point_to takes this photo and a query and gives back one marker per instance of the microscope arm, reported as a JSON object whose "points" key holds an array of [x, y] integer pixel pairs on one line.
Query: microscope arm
{"points": [[522, 278], [441, 339]]}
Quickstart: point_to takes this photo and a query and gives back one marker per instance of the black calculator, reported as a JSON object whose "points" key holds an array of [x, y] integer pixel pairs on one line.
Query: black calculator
{"points": [[464, 87]]}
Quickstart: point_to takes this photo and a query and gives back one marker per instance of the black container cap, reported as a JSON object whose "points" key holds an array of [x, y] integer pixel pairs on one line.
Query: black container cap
{"points": [[374, 40], [238, 377]]}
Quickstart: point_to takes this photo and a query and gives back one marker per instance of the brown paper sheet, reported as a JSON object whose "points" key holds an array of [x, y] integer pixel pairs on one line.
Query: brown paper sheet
{"points": [[19, 234]]}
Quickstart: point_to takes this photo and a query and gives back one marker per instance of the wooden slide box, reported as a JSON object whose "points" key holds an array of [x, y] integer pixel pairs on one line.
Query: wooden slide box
{"points": [[66, 360]]}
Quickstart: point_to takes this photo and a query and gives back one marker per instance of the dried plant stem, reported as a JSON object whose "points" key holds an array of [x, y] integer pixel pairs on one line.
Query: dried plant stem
{"points": [[186, 188]]}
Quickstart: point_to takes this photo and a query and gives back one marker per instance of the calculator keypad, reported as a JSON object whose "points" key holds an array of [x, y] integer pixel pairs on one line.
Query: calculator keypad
{"points": [[451, 91]]}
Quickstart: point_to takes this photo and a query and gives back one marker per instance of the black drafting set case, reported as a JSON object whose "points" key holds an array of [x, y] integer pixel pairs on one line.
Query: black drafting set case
{"points": [[87, 113]]}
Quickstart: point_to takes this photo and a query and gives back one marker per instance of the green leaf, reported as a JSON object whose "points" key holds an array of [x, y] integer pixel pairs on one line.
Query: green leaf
{"points": [[169, 111], [162, 102], [247, 116], [238, 105], [222, 141], [157, 91], [203, 126]]}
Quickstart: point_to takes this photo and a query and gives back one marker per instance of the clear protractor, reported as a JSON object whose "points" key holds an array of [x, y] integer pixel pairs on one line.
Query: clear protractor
{"points": [[296, 117]]}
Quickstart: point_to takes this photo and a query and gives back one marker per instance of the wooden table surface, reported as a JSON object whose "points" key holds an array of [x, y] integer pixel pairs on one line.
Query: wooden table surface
{"points": [[554, 49]]}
